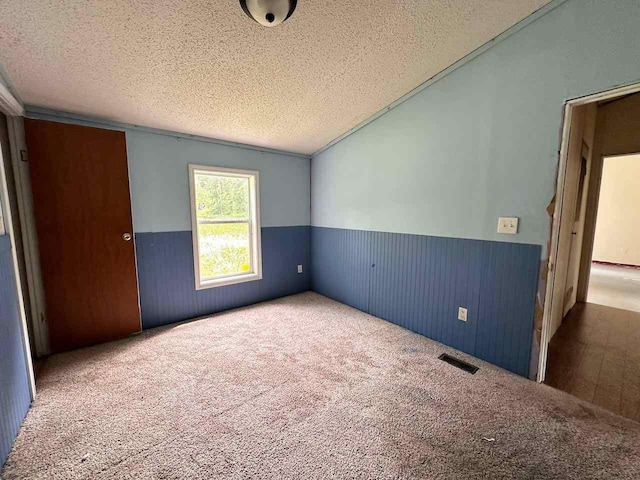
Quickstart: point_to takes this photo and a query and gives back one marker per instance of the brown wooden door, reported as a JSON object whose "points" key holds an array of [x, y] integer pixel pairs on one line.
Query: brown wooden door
{"points": [[80, 184]]}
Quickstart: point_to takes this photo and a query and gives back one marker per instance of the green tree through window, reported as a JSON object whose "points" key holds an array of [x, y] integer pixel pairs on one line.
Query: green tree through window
{"points": [[224, 219]]}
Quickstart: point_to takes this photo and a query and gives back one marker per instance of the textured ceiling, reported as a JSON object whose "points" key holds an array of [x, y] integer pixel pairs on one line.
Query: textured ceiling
{"points": [[203, 67]]}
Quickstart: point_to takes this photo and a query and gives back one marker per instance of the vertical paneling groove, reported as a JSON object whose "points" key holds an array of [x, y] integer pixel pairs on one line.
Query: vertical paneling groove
{"points": [[14, 383], [415, 279], [368, 270], [419, 282], [167, 283]]}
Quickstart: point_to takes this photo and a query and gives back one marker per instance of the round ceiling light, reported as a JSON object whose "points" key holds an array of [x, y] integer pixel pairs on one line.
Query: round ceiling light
{"points": [[268, 13]]}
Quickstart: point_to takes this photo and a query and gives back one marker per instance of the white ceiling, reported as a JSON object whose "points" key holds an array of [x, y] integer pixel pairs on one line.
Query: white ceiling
{"points": [[203, 67]]}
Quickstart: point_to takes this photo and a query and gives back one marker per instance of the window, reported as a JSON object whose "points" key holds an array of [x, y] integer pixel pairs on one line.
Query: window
{"points": [[225, 216]]}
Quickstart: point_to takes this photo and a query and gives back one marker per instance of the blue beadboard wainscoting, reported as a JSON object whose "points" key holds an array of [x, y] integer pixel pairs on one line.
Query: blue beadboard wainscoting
{"points": [[167, 283], [14, 383], [418, 282]]}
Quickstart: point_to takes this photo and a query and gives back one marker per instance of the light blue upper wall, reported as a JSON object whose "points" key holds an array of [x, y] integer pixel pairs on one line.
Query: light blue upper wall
{"points": [[158, 169], [159, 177], [483, 141]]}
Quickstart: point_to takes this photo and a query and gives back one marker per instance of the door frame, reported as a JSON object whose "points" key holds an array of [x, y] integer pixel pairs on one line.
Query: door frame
{"points": [[569, 106], [13, 109], [30, 234]]}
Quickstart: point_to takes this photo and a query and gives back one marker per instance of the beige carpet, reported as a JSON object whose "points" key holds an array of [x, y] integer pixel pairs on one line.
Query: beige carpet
{"points": [[304, 387]]}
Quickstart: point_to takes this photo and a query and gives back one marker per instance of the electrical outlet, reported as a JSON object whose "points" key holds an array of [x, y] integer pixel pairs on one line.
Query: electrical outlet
{"points": [[508, 225], [462, 314], [299, 268]]}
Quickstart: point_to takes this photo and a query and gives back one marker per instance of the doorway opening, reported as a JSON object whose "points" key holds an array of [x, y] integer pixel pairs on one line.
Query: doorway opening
{"points": [[590, 343], [615, 264]]}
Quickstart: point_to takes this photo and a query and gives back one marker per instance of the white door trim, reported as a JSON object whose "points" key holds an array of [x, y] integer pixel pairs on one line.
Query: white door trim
{"points": [[29, 236], [23, 318], [9, 105], [557, 214], [12, 108]]}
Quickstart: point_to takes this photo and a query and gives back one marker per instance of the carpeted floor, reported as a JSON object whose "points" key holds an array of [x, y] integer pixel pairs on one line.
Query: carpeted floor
{"points": [[304, 387]]}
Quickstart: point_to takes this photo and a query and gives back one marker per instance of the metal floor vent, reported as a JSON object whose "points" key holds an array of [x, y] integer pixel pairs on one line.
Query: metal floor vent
{"points": [[467, 367]]}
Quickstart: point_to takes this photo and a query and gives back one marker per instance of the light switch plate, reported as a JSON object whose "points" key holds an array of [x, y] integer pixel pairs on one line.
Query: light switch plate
{"points": [[462, 314], [508, 225], [299, 268]]}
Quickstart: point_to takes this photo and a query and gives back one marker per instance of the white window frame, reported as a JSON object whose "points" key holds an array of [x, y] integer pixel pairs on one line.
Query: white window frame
{"points": [[254, 226]]}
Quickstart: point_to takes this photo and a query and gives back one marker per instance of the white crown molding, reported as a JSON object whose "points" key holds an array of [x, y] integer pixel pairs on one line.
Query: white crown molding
{"points": [[9, 105], [39, 113]]}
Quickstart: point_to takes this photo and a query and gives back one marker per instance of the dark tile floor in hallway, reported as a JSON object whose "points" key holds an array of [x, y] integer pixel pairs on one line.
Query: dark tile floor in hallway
{"points": [[595, 355]]}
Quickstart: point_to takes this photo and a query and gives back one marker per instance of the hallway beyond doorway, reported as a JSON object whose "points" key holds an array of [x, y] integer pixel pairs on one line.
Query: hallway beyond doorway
{"points": [[615, 286], [595, 356]]}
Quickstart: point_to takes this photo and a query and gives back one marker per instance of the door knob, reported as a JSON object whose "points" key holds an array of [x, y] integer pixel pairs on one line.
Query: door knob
{"points": [[126, 237]]}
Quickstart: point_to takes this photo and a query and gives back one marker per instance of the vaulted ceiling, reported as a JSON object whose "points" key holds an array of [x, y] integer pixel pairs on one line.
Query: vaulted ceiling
{"points": [[203, 67]]}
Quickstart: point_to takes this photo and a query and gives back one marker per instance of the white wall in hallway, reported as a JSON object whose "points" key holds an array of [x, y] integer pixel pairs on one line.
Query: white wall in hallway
{"points": [[617, 238]]}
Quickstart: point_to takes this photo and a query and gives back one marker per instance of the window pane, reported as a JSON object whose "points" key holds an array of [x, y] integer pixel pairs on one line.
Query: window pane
{"points": [[221, 198], [224, 249]]}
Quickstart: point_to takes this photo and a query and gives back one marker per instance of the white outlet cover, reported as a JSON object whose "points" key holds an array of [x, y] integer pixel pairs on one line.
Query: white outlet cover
{"points": [[462, 314], [508, 225], [299, 268]]}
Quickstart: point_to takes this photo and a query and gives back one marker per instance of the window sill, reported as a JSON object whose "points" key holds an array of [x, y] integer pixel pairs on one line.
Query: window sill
{"points": [[221, 282]]}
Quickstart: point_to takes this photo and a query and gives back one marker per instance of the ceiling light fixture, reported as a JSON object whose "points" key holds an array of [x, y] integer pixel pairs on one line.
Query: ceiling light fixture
{"points": [[268, 13]]}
